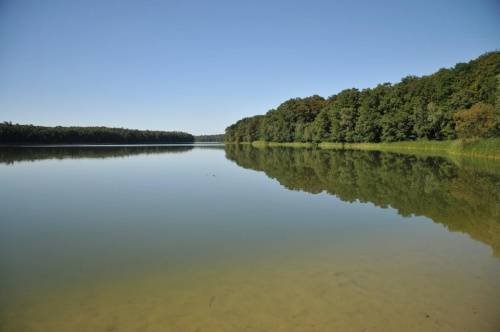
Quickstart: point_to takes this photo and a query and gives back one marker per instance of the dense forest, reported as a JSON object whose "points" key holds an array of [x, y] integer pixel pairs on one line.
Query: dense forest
{"points": [[209, 138], [29, 134], [447, 193], [461, 102]]}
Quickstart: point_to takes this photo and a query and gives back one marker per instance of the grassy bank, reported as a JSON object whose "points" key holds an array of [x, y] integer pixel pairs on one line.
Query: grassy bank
{"points": [[483, 148], [263, 143], [291, 144]]}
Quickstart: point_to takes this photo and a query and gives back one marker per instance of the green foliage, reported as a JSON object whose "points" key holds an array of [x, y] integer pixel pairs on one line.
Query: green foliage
{"points": [[417, 108], [245, 130], [481, 120], [290, 122], [484, 148], [29, 134], [209, 138]]}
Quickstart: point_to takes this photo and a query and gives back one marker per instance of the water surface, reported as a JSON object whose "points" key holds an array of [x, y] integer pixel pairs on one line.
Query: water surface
{"points": [[189, 238]]}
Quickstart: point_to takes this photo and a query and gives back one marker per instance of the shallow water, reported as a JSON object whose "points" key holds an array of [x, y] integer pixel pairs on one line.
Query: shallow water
{"points": [[213, 239]]}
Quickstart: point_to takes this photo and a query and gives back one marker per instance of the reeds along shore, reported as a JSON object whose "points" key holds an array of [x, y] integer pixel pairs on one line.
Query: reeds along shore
{"points": [[483, 148]]}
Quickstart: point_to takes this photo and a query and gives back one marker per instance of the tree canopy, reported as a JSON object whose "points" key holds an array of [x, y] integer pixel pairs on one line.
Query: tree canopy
{"points": [[209, 138], [29, 134], [417, 108]]}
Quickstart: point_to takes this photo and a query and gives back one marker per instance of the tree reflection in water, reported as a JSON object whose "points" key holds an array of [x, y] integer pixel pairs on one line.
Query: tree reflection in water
{"points": [[462, 198]]}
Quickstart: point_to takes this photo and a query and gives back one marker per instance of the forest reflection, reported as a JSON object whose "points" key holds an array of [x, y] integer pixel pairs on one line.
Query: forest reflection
{"points": [[462, 198], [10, 155]]}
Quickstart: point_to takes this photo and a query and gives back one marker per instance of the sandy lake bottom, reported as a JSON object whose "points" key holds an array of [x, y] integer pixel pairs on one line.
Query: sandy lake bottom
{"points": [[361, 291]]}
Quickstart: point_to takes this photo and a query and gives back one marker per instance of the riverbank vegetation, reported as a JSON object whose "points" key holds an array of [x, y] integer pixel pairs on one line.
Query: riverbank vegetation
{"points": [[458, 103], [484, 148], [489, 148], [29, 134], [209, 138]]}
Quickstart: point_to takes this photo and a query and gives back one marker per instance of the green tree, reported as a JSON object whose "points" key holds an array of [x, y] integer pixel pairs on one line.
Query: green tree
{"points": [[415, 108], [481, 120]]}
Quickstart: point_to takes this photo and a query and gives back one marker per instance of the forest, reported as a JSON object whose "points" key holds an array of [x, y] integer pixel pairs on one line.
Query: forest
{"points": [[448, 193], [461, 102], [29, 134], [209, 138]]}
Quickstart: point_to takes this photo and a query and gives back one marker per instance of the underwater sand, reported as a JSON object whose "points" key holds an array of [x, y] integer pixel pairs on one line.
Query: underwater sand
{"points": [[325, 291]]}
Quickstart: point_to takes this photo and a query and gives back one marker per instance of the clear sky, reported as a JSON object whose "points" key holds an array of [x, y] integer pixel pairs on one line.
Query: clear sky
{"points": [[199, 66]]}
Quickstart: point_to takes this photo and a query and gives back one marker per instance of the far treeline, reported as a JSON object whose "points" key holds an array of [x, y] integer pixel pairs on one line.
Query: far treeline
{"points": [[209, 138], [29, 134], [461, 102]]}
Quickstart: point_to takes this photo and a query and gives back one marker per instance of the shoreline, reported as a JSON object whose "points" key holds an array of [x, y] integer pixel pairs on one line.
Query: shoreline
{"points": [[480, 148]]}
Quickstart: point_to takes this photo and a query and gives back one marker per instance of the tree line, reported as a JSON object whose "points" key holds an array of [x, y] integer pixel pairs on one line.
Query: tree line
{"points": [[461, 197], [209, 138], [461, 102], [29, 134]]}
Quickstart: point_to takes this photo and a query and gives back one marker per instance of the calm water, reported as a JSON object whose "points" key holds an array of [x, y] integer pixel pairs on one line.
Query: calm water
{"points": [[190, 238]]}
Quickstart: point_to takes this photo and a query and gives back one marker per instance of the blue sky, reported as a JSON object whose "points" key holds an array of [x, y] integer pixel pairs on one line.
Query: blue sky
{"points": [[199, 66]]}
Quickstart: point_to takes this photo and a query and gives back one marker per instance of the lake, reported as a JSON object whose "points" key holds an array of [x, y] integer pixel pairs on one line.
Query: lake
{"points": [[237, 238]]}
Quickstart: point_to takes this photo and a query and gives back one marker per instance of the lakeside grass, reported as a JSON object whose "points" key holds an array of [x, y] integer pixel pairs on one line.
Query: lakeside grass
{"points": [[264, 143], [291, 144], [481, 148]]}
